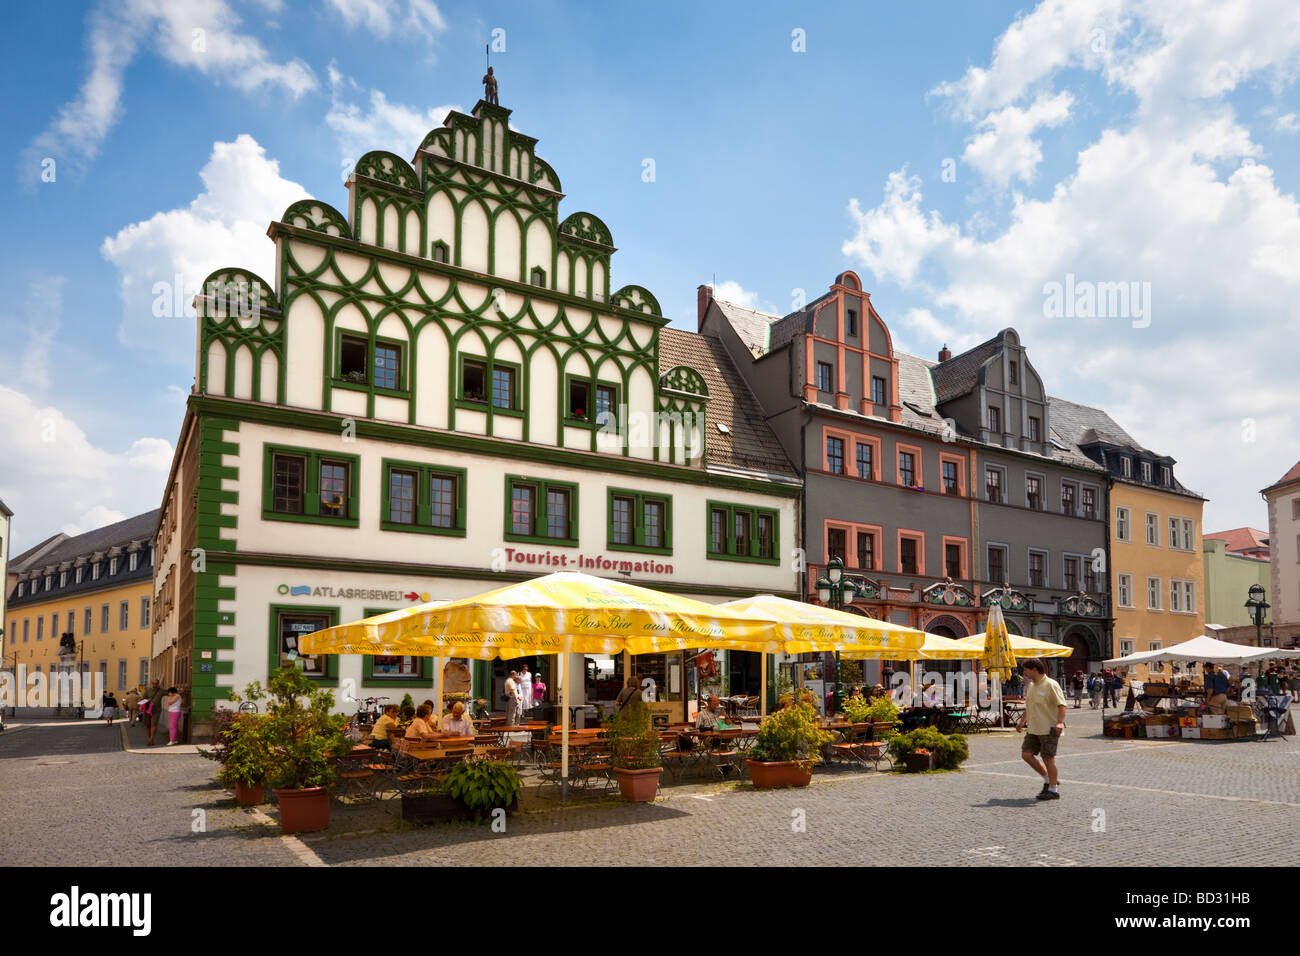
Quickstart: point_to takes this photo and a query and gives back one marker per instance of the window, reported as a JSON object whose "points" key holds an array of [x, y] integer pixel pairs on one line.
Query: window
{"points": [[1125, 647], [290, 626], [997, 571], [952, 560], [591, 401], [1126, 466], [1090, 503], [103, 619], [1146, 471], [144, 671], [1125, 595], [825, 377], [538, 277], [1175, 596], [1153, 529], [352, 359], [545, 511], [360, 363], [424, 498], [1173, 533], [865, 460], [906, 468], [22, 585], [144, 611], [1164, 475], [835, 546], [94, 571], [72, 622], [1122, 530], [63, 577], [438, 252], [741, 533], [473, 381], [1188, 533], [1156, 666], [503, 387], [907, 556], [995, 420], [124, 615], [1067, 499], [1034, 492], [306, 485], [1071, 582], [49, 578], [87, 619], [1189, 597], [1089, 577], [1013, 371], [950, 485], [850, 322], [1034, 425], [878, 390], [866, 551], [1295, 512], [993, 484], [835, 455], [121, 674], [1153, 594], [1038, 569], [80, 575], [638, 522], [112, 569], [40, 628], [482, 383]]}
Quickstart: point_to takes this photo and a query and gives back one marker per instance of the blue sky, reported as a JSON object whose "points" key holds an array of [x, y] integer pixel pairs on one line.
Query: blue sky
{"points": [[1109, 140]]}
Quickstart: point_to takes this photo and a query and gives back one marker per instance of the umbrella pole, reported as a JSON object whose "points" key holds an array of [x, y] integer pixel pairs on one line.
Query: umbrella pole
{"points": [[564, 721], [762, 700], [437, 687]]}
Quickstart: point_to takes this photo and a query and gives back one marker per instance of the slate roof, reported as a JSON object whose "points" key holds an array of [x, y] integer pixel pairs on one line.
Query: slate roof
{"points": [[957, 376], [139, 528], [752, 327], [749, 443], [1240, 539]]}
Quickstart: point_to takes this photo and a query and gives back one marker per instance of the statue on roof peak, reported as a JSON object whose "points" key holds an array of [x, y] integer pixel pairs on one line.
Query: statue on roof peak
{"points": [[490, 88]]}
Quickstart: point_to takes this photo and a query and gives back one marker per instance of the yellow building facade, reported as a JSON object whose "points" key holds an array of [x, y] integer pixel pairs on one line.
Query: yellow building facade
{"points": [[1157, 570], [98, 587]]}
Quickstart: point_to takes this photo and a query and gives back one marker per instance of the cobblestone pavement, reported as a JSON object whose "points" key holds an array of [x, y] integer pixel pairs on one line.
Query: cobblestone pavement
{"points": [[1122, 800]]}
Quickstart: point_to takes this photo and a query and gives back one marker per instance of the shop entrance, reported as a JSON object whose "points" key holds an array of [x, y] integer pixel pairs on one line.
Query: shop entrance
{"points": [[745, 673]]}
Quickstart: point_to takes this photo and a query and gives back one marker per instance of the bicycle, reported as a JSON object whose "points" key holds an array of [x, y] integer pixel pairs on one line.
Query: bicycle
{"points": [[369, 709]]}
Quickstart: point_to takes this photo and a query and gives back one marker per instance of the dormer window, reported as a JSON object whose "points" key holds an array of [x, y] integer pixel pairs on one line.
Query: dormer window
{"points": [[1164, 475], [49, 581], [21, 587], [81, 573], [63, 579], [135, 560], [1146, 471], [112, 566], [1126, 466], [94, 570]]}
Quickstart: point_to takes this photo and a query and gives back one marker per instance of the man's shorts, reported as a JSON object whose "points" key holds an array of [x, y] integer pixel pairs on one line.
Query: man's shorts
{"points": [[1044, 744]]}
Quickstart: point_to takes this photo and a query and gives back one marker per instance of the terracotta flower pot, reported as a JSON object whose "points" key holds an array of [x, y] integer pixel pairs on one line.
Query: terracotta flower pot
{"points": [[774, 774], [638, 786], [304, 811], [250, 795]]}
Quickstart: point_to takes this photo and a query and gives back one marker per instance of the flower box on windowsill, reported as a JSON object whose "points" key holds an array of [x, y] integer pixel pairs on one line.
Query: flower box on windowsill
{"points": [[917, 487]]}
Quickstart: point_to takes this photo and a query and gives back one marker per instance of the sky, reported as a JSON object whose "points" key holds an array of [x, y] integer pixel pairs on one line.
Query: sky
{"points": [[1115, 179]]}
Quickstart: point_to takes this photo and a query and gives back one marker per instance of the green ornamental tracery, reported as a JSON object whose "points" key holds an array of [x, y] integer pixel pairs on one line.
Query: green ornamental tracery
{"points": [[387, 168], [239, 310], [317, 216]]}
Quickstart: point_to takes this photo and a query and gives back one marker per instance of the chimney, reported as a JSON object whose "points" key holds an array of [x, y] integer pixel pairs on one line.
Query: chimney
{"points": [[945, 353], [703, 296]]}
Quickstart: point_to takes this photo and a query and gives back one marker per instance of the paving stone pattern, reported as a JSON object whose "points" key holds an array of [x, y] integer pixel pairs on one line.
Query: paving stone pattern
{"points": [[1124, 802]]}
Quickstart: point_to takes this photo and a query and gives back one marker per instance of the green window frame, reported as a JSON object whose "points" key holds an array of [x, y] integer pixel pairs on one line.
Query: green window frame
{"points": [[310, 491], [374, 345], [541, 518], [438, 246], [738, 532], [329, 675], [370, 679], [594, 403], [487, 403], [636, 523], [423, 506]]}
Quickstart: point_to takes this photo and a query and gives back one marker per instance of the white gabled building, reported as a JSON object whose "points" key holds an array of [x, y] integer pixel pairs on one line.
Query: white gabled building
{"points": [[439, 394]]}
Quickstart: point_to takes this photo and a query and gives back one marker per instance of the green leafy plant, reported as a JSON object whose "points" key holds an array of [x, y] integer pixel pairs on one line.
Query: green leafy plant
{"points": [[633, 739], [791, 735], [249, 756], [408, 701], [480, 708], [303, 735], [483, 785], [878, 710], [949, 750]]}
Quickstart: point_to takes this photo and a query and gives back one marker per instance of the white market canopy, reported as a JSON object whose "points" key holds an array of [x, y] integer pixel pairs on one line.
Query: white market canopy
{"points": [[1204, 649]]}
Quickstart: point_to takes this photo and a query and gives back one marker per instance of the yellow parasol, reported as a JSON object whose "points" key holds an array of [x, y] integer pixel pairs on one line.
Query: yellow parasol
{"points": [[934, 648], [812, 627], [999, 660], [1021, 646]]}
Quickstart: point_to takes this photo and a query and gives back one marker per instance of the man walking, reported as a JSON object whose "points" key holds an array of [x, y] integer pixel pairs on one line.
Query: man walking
{"points": [[155, 697], [1044, 722]]}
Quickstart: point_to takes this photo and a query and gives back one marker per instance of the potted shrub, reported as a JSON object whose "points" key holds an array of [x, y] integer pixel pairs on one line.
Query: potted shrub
{"points": [[787, 747], [933, 750], [248, 761], [634, 752], [304, 738], [482, 786]]}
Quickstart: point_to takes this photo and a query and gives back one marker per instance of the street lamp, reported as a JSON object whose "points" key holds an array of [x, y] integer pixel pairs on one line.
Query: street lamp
{"points": [[1256, 604], [835, 590]]}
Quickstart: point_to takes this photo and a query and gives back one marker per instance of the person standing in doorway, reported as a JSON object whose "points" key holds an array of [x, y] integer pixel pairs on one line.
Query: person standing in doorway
{"points": [[172, 705], [525, 693], [1043, 722], [155, 698]]}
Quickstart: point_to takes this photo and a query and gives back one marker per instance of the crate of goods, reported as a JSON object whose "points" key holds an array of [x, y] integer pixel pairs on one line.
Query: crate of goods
{"points": [[1243, 728], [1191, 733], [1114, 727], [1240, 712], [1215, 733], [1155, 689], [1166, 729], [1215, 721], [1189, 721]]}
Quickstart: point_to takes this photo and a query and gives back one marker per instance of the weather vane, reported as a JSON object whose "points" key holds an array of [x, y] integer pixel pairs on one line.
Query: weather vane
{"points": [[489, 81]]}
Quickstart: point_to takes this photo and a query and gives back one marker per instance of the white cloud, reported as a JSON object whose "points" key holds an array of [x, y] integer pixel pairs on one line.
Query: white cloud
{"points": [[1287, 123], [225, 225], [1004, 147], [392, 126], [36, 330], [1173, 194], [201, 34], [53, 470], [383, 18], [733, 292]]}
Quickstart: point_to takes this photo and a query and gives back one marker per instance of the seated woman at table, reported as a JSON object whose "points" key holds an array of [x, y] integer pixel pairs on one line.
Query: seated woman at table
{"points": [[420, 728], [384, 726], [456, 723]]}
